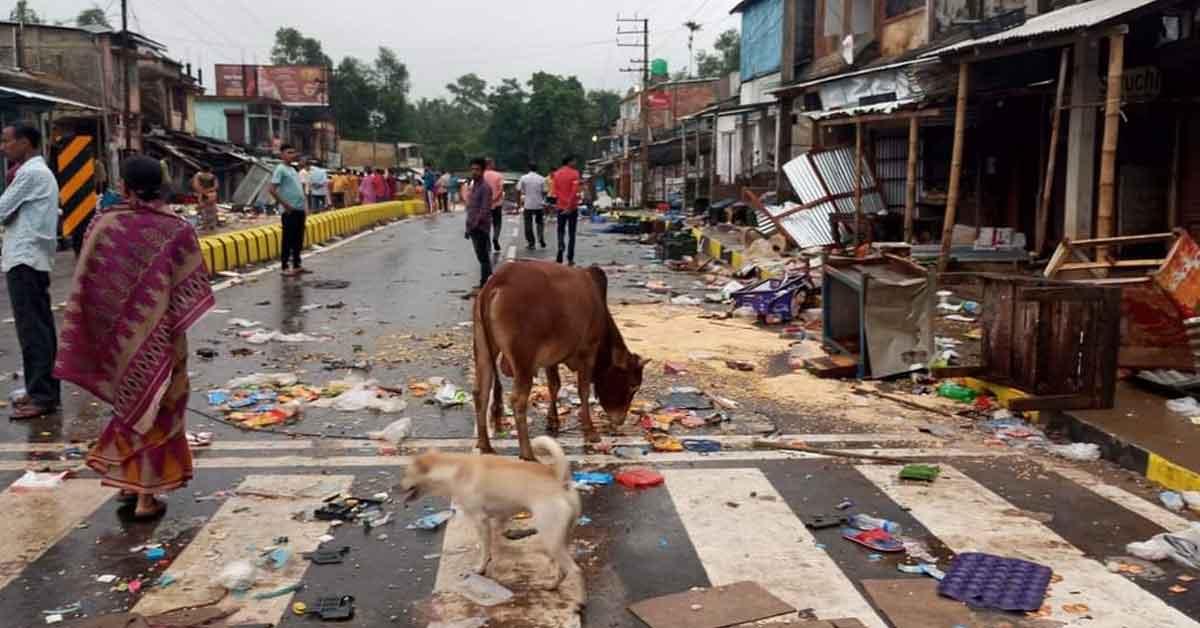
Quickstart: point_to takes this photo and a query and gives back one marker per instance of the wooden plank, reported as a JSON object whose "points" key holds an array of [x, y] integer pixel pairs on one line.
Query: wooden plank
{"points": [[1129, 239], [832, 366], [1128, 263], [719, 607], [1055, 293], [1042, 225], [913, 603], [960, 123], [1060, 256], [1107, 343], [1114, 281]]}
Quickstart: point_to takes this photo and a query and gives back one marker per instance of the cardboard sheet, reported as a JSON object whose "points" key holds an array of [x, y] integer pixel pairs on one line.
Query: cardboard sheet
{"points": [[717, 607]]}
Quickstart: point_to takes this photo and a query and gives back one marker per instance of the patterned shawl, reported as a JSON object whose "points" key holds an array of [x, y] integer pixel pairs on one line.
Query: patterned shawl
{"points": [[140, 281]]}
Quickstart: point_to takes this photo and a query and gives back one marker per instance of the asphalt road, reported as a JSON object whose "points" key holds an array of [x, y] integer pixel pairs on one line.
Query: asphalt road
{"points": [[719, 518]]}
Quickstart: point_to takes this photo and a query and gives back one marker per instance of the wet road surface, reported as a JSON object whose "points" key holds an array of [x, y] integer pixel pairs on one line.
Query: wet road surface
{"points": [[718, 518]]}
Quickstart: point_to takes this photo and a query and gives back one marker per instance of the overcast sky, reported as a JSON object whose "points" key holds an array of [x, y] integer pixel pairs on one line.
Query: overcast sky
{"points": [[439, 40]]}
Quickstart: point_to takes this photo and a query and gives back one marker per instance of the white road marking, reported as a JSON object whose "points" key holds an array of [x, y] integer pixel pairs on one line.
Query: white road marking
{"points": [[333, 462], [774, 548], [242, 528], [34, 521], [966, 516], [468, 443], [1149, 510]]}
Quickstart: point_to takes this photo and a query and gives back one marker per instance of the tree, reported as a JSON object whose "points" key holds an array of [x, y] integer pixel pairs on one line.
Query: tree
{"points": [[22, 13], [390, 80], [729, 47], [293, 48], [93, 17], [353, 96], [470, 92]]}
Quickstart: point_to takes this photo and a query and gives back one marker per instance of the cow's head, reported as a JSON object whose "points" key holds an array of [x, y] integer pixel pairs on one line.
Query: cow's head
{"points": [[617, 384]]}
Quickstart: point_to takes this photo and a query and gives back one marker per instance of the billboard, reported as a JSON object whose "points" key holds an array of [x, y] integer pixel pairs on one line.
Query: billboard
{"points": [[296, 85]]}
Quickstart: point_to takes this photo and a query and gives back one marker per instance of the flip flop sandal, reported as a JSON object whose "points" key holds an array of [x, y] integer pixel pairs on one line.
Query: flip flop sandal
{"points": [[701, 445], [663, 442], [31, 411], [877, 539]]}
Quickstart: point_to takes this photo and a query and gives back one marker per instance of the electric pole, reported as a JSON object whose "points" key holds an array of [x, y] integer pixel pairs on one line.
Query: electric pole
{"points": [[641, 65], [128, 58]]}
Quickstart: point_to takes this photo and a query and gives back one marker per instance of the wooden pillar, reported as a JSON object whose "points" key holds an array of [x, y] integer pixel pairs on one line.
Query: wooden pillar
{"points": [[910, 182], [684, 162], [1079, 199], [956, 153], [1108, 150], [783, 143], [858, 208], [1043, 210], [712, 163]]}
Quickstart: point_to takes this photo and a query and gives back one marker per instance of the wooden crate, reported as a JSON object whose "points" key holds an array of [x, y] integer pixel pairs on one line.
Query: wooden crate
{"points": [[1055, 340]]}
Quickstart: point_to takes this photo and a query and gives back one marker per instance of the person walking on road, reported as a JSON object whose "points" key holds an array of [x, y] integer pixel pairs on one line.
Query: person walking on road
{"points": [[286, 189], [452, 187], [443, 192], [429, 179], [140, 284], [29, 214], [366, 188], [479, 218], [204, 185], [495, 181], [532, 191], [566, 193], [318, 188]]}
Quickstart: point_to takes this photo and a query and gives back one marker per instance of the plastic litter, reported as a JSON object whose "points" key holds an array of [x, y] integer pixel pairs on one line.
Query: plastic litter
{"points": [[483, 590], [17, 394], [156, 553], [595, 478], [920, 472], [1183, 547], [683, 299], [395, 432], [1187, 406], [358, 395], [867, 522], [701, 445], [261, 337], [746, 313], [243, 323], [1081, 452], [238, 575], [629, 453], [1171, 500], [957, 392], [450, 395], [431, 521], [263, 379], [987, 581], [639, 477], [35, 481], [728, 289], [1192, 499]]}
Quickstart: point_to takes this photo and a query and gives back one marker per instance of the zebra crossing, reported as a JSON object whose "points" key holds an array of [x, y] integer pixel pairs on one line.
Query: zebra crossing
{"points": [[717, 519]]}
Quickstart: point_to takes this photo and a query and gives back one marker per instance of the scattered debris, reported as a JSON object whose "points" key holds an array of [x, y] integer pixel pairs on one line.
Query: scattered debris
{"points": [[431, 521], [730, 605], [483, 590]]}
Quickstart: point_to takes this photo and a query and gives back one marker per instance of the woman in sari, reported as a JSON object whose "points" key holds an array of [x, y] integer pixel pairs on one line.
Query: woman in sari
{"points": [[140, 283]]}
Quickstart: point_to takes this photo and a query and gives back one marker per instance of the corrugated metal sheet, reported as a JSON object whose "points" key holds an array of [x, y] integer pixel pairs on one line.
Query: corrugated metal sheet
{"points": [[1074, 17], [824, 181]]}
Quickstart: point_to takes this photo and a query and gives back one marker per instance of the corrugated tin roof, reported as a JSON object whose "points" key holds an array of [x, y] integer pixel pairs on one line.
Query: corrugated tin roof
{"points": [[883, 107], [1074, 17], [46, 98]]}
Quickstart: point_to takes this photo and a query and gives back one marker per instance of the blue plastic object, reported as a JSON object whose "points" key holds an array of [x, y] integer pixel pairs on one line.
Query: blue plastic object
{"points": [[595, 478], [987, 581]]}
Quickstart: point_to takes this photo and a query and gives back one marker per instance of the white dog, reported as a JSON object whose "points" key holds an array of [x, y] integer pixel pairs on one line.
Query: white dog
{"points": [[484, 488]]}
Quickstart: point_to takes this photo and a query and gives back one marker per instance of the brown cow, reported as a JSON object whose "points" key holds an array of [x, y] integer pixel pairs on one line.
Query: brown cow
{"points": [[536, 315]]}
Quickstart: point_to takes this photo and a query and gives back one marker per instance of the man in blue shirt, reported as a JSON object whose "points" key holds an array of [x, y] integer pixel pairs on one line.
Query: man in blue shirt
{"points": [[429, 179], [29, 213], [286, 189]]}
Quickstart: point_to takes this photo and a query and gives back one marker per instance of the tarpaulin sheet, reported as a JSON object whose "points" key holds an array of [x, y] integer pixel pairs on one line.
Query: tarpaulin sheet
{"points": [[898, 322], [762, 38]]}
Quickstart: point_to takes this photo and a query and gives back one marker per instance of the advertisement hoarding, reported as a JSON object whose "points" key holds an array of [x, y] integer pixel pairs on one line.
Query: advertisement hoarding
{"points": [[296, 85]]}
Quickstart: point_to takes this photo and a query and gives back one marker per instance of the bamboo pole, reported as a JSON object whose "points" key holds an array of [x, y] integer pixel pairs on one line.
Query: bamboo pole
{"points": [[1043, 210], [1108, 150], [960, 122], [858, 208], [910, 187]]}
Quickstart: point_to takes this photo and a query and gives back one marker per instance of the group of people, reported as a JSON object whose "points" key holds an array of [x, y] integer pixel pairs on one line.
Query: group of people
{"points": [[140, 283], [484, 195], [440, 189]]}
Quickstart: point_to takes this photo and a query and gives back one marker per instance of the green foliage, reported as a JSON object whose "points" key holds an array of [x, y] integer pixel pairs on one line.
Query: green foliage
{"points": [[293, 48], [92, 17], [725, 58], [22, 13]]}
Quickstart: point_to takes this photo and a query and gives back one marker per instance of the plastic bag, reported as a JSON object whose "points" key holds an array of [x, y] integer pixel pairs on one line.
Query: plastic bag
{"points": [[450, 395], [1081, 452], [263, 379], [1187, 406], [34, 481], [483, 590], [1192, 499], [395, 432], [1171, 500], [683, 299], [745, 312], [238, 575], [1182, 547]]}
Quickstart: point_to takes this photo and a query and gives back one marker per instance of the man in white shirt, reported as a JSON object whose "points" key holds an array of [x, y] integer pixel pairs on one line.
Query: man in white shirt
{"points": [[532, 190], [29, 213], [318, 188]]}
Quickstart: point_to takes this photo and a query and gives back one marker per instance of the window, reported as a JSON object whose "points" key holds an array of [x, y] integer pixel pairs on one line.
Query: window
{"points": [[892, 8]]}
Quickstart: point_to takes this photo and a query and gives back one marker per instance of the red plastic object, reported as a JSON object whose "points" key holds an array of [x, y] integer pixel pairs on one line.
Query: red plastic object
{"points": [[639, 477]]}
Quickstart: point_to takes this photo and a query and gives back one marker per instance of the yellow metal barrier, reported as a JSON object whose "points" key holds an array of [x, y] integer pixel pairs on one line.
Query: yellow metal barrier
{"points": [[228, 251]]}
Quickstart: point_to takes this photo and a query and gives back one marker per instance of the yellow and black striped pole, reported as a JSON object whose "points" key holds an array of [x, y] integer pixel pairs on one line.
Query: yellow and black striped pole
{"points": [[75, 167]]}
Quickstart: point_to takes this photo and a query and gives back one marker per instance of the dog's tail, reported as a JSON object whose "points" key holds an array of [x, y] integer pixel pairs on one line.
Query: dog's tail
{"points": [[547, 450]]}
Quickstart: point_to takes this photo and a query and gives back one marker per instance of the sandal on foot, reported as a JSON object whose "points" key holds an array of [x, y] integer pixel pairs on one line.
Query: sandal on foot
{"points": [[31, 411]]}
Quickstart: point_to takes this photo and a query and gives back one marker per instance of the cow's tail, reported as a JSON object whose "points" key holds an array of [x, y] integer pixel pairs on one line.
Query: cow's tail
{"points": [[548, 451], [486, 354]]}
